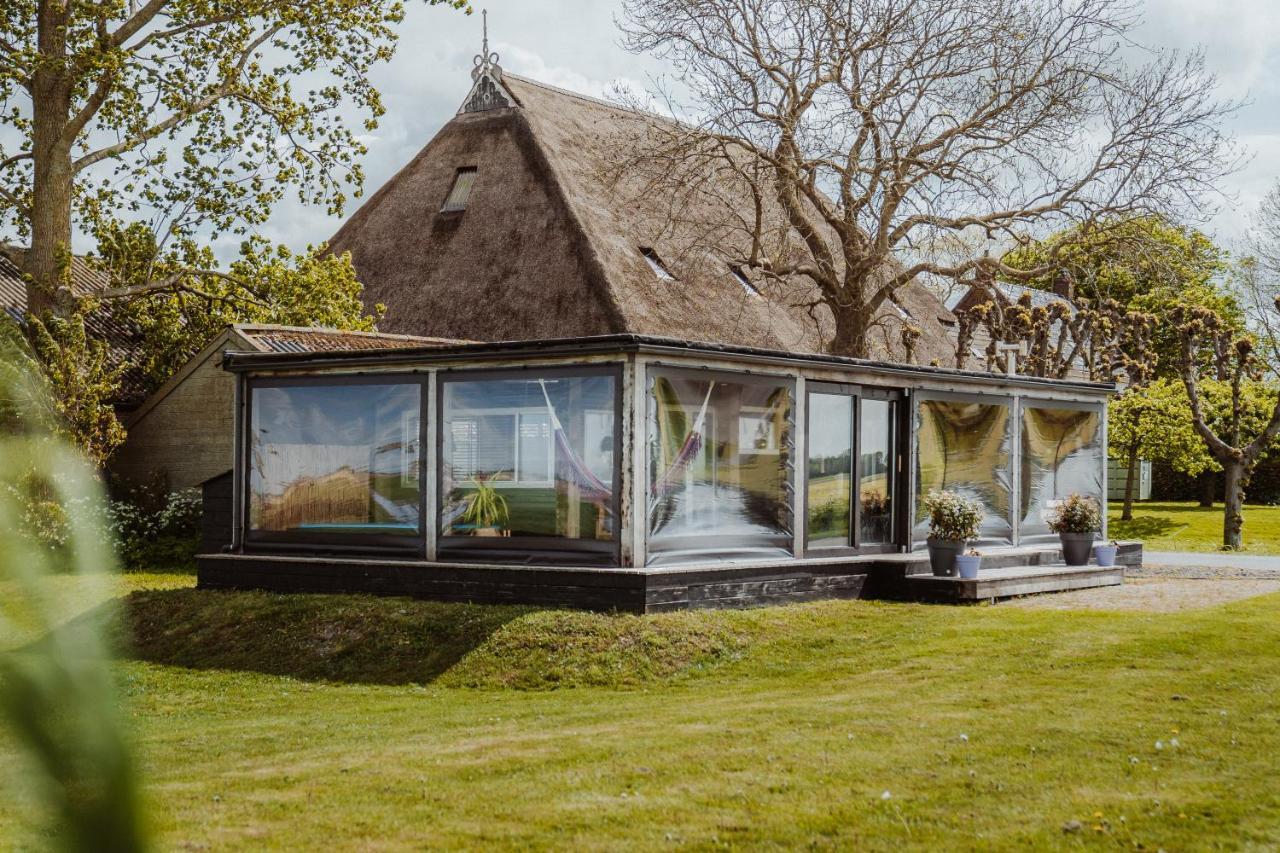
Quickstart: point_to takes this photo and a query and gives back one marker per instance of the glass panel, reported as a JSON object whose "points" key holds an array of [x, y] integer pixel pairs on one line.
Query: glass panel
{"points": [[966, 447], [719, 476], [335, 459], [1061, 454], [529, 457], [875, 452], [460, 192], [830, 469]]}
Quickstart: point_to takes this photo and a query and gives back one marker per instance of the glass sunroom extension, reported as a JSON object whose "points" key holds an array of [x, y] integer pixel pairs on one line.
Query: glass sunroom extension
{"points": [[638, 454]]}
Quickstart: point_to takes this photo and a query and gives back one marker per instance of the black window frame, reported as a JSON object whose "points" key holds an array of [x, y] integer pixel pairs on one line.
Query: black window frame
{"points": [[378, 544], [900, 441], [531, 550]]}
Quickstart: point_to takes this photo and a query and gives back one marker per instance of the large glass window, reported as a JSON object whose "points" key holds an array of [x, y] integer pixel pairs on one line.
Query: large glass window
{"points": [[830, 482], [528, 462], [328, 462], [1061, 453], [720, 466], [967, 447]]}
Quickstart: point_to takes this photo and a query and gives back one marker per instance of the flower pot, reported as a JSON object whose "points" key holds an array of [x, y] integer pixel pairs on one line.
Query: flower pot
{"points": [[1106, 554], [968, 566], [1076, 548], [487, 531], [942, 556]]}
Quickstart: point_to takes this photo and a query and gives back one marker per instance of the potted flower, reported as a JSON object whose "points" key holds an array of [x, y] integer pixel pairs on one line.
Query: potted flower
{"points": [[1075, 519], [967, 563], [953, 521], [486, 510], [1106, 554]]}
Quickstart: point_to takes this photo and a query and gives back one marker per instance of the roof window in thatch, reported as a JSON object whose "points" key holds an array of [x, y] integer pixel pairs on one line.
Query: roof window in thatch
{"points": [[744, 281], [463, 181], [656, 264]]}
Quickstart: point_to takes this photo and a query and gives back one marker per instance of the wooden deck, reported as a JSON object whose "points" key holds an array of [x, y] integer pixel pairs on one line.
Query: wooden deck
{"points": [[1008, 572], [992, 584]]}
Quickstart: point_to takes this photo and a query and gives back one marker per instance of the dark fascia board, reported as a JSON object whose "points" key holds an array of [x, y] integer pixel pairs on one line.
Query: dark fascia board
{"points": [[623, 344]]}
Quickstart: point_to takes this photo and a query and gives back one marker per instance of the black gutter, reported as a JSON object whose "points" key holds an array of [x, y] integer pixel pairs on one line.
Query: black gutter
{"points": [[620, 344]]}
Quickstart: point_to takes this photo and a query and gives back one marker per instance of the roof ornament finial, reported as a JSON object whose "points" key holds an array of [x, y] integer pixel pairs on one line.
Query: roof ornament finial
{"points": [[485, 62]]}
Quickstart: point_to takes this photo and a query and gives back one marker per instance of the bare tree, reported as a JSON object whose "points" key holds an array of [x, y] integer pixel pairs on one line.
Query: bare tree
{"points": [[864, 130]]}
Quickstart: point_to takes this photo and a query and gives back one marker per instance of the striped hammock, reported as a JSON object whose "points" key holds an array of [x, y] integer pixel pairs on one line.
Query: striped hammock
{"points": [[688, 451], [569, 466]]}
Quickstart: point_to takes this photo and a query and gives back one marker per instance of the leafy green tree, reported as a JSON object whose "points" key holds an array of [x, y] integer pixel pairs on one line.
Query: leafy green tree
{"points": [[1154, 422], [179, 311], [1145, 264], [195, 115], [76, 387]]}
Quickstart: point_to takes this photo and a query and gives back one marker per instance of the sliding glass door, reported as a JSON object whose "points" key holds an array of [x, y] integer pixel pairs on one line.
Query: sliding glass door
{"points": [[851, 469]]}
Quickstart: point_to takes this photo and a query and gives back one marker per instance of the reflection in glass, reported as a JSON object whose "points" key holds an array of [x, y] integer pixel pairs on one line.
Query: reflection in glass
{"points": [[1061, 454], [335, 459], [543, 444], [719, 454], [966, 447], [875, 453], [830, 469]]}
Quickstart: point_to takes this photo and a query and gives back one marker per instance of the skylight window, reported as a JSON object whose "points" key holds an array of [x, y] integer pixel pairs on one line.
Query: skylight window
{"points": [[460, 193], [744, 281], [655, 264], [903, 312]]}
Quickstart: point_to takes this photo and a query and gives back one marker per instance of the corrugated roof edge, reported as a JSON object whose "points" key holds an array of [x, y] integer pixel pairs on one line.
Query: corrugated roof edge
{"points": [[623, 343]]}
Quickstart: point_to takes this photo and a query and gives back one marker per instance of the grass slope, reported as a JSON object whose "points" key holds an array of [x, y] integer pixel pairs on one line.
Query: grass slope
{"points": [[837, 724], [1189, 527]]}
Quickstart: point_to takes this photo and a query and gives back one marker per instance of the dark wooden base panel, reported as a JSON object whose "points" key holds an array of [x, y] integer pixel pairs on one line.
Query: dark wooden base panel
{"points": [[1005, 573]]}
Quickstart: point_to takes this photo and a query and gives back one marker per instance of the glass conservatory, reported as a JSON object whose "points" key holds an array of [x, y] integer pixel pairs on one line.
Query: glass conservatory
{"points": [[623, 457]]}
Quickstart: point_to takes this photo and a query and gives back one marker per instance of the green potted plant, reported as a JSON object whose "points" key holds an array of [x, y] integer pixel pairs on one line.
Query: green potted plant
{"points": [[953, 521], [486, 511], [1075, 519]]}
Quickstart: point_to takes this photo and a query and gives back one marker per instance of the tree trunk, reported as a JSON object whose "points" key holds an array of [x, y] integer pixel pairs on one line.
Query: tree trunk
{"points": [[1233, 504], [853, 330], [1208, 488], [50, 253], [1131, 475]]}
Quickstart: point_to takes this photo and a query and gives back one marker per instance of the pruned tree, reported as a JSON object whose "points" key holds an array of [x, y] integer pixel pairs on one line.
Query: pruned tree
{"points": [[866, 129], [193, 117], [1100, 342], [1232, 444]]}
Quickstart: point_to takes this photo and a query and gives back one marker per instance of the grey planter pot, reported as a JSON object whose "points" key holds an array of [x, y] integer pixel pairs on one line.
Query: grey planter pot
{"points": [[942, 556], [1076, 548]]}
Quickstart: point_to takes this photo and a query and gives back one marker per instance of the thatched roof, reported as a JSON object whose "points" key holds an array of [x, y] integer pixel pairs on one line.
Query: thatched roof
{"points": [[549, 245], [272, 338]]}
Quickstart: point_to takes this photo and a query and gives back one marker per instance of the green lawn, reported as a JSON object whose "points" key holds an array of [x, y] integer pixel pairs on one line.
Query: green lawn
{"points": [[840, 724], [1189, 527]]}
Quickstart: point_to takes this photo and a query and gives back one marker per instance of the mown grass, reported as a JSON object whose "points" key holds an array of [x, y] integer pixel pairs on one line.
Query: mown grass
{"points": [[839, 724], [1190, 527]]}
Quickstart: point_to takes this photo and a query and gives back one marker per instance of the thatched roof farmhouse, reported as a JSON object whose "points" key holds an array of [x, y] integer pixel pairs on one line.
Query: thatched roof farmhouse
{"points": [[512, 223]]}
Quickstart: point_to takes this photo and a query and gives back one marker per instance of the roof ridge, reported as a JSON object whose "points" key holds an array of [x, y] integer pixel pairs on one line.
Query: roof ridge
{"points": [[591, 99]]}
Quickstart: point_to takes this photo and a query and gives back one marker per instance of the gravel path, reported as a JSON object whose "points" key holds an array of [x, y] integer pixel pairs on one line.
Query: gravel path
{"points": [[1161, 589], [1189, 559]]}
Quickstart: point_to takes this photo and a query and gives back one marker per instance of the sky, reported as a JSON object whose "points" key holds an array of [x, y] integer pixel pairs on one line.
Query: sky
{"points": [[575, 44]]}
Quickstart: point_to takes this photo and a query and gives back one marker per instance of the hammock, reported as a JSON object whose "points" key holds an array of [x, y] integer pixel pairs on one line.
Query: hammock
{"points": [[688, 450], [573, 469]]}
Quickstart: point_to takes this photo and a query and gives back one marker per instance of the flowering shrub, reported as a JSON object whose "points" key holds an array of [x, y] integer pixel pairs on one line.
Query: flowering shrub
{"points": [[162, 533], [165, 536], [1076, 514], [952, 516]]}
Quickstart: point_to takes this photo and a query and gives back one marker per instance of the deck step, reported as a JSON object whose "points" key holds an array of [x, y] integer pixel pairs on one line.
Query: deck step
{"points": [[1009, 581]]}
